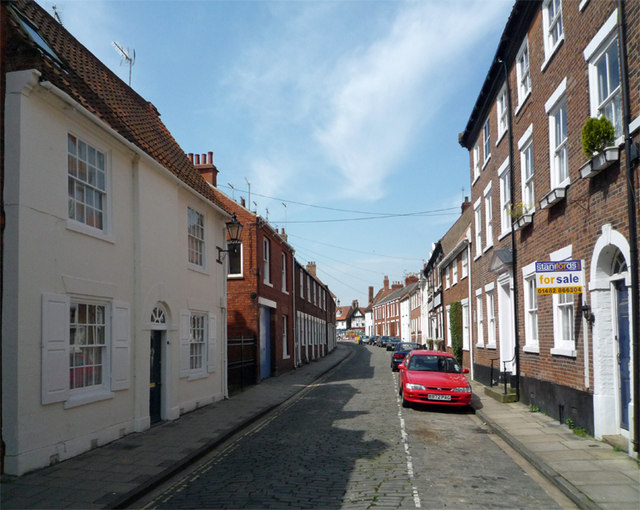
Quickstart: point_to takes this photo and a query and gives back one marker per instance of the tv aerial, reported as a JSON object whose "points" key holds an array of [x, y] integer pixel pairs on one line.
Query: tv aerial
{"points": [[126, 56]]}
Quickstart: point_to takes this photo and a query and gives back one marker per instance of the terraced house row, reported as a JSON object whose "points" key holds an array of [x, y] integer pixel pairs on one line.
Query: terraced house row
{"points": [[538, 195], [117, 302]]}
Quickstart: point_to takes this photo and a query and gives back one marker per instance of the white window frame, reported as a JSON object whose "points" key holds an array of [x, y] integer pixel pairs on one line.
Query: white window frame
{"points": [[549, 25], [301, 284], [531, 330], [479, 319], [491, 316], [454, 271], [284, 273], [465, 264], [594, 53], [523, 73], [477, 210], [476, 162], [486, 141], [563, 314], [88, 186], [447, 320], [502, 113], [266, 259], [488, 217], [465, 324], [89, 343], [285, 344], [447, 277], [525, 146], [196, 239], [505, 198], [239, 253], [556, 106]]}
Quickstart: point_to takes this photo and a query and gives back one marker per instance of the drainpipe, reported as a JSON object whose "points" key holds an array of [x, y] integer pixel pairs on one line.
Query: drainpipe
{"points": [[631, 152], [514, 267], [471, 305]]}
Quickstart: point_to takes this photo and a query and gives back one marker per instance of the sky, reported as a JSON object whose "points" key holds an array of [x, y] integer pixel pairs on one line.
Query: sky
{"points": [[340, 118]]}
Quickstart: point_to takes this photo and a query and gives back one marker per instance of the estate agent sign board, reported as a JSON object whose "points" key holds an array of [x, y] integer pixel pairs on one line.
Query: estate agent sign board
{"points": [[560, 277]]}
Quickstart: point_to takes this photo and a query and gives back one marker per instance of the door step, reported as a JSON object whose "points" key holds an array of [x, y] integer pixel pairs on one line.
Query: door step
{"points": [[617, 442], [497, 393]]}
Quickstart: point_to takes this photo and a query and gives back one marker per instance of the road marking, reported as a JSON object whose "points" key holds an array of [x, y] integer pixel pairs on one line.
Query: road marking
{"points": [[405, 442]]}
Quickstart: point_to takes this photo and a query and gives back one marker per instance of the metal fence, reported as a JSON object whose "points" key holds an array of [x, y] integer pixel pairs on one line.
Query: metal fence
{"points": [[241, 363]]}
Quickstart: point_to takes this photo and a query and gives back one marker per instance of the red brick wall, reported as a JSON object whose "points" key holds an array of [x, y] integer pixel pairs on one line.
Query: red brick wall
{"points": [[590, 203]]}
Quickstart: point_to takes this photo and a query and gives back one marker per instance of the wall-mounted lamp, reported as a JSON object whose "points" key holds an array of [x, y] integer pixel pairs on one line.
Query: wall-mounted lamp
{"points": [[586, 313], [234, 229]]}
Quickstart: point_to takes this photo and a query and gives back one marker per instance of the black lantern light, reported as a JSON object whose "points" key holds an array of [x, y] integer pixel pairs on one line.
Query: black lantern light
{"points": [[234, 229]]}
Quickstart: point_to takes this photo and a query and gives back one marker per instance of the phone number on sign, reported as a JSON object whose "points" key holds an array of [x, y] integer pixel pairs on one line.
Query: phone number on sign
{"points": [[559, 290]]}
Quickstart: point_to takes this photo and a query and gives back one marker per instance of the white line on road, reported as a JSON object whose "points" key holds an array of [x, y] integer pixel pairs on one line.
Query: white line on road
{"points": [[405, 442]]}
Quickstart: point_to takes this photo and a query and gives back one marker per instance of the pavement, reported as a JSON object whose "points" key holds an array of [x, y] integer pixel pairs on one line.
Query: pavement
{"points": [[591, 473]]}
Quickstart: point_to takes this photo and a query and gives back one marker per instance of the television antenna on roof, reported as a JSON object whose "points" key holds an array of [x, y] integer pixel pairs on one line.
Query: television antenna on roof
{"points": [[126, 56]]}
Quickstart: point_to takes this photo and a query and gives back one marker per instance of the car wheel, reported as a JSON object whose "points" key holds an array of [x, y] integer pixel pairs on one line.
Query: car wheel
{"points": [[405, 402]]}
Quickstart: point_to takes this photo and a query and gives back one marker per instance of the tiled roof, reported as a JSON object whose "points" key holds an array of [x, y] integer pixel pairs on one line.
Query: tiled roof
{"points": [[90, 83], [342, 313]]}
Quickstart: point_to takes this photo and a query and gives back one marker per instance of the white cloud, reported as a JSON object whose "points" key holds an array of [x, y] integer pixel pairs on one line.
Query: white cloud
{"points": [[384, 93]]}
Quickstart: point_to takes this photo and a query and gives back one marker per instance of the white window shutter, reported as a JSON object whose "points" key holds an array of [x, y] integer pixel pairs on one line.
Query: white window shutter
{"points": [[121, 347], [55, 348], [185, 335], [211, 345]]}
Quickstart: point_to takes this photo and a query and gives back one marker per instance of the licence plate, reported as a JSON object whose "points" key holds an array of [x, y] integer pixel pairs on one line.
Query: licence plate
{"points": [[436, 396]]}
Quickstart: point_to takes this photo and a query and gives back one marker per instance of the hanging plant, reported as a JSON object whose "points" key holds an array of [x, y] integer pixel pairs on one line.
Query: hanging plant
{"points": [[596, 135]]}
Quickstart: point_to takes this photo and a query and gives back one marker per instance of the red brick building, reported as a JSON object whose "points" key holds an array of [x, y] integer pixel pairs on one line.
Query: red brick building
{"points": [[315, 308], [260, 306], [455, 273], [537, 197]]}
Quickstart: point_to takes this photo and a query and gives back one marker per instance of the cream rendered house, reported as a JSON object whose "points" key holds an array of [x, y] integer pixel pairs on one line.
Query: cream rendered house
{"points": [[114, 304]]}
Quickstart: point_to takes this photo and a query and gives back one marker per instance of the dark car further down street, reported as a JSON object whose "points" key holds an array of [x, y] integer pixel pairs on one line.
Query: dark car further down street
{"points": [[433, 377], [402, 349], [393, 341]]}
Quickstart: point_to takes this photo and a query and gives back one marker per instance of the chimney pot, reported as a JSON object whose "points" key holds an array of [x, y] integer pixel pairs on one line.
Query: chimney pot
{"points": [[210, 157]]}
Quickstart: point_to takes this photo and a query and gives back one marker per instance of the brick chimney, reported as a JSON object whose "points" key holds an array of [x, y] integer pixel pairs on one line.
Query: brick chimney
{"points": [[311, 268], [410, 278], [466, 204], [386, 283], [396, 285], [354, 305], [204, 165], [371, 294], [284, 236]]}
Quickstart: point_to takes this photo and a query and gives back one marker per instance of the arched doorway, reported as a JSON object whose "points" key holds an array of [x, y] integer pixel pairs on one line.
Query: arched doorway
{"points": [[609, 294]]}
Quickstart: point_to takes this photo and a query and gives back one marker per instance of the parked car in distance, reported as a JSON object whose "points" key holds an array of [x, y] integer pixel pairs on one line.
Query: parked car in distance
{"points": [[402, 349], [383, 341], [433, 377], [393, 341], [364, 339], [373, 339]]}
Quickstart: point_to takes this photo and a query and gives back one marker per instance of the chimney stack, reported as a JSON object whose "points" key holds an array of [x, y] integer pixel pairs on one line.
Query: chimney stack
{"points": [[386, 283], [205, 166], [311, 268], [284, 236], [370, 294], [466, 204]]}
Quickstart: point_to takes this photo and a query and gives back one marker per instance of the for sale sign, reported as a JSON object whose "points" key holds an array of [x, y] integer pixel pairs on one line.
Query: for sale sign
{"points": [[560, 277]]}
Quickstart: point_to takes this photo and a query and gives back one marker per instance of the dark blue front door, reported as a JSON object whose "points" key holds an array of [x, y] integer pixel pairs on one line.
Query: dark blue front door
{"points": [[155, 377], [624, 354]]}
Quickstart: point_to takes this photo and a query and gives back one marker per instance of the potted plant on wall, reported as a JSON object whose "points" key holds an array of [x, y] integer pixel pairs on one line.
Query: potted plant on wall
{"points": [[598, 136], [520, 213]]}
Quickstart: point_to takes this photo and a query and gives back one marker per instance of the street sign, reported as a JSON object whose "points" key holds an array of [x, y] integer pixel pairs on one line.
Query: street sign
{"points": [[560, 277]]}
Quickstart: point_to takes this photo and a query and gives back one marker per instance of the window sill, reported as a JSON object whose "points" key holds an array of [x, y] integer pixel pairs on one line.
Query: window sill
{"points": [[197, 269], [522, 103], [562, 351], [487, 248], [87, 398], [500, 137], [284, 291], [491, 346], [486, 162], [552, 53], [81, 228], [503, 235], [195, 376], [479, 346], [235, 277], [475, 179], [532, 349], [478, 255], [268, 284]]}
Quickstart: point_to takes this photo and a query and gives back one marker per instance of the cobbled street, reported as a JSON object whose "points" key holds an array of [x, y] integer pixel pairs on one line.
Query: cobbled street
{"points": [[346, 442]]}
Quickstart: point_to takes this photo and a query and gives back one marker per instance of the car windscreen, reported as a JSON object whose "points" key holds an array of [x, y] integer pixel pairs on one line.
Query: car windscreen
{"points": [[405, 347], [434, 363]]}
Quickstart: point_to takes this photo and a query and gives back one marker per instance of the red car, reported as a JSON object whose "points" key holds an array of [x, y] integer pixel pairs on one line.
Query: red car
{"points": [[433, 377]]}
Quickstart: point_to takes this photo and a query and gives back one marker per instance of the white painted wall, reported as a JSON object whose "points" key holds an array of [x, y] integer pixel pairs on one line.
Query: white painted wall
{"points": [[140, 261]]}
